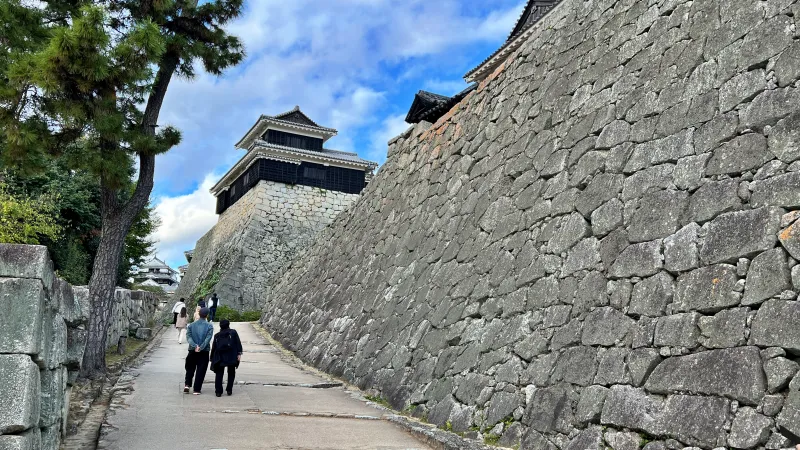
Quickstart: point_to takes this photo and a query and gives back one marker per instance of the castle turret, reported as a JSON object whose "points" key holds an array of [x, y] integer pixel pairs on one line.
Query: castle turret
{"points": [[286, 188]]}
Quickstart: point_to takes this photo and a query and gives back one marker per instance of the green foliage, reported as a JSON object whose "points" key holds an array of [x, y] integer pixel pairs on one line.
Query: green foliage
{"points": [[491, 439], [448, 426], [76, 201], [25, 220], [206, 287], [377, 399], [250, 316], [226, 312]]}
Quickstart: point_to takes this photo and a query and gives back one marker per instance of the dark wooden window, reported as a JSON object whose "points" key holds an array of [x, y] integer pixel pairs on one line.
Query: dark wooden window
{"points": [[293, 140], [308, 174]]}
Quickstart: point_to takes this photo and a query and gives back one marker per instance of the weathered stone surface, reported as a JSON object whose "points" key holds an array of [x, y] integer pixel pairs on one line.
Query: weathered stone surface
{"points": [[572, 229], [780, 190], [576, 365], [588, 439], [26, 261], [768, 107], [707, 289], [680, 249], [30, 440], [694, 420], [53, 387], [771, 405], [743, 153], [779, 372], [741, 234], [734, 373], [623, 440], [677, 330], [606, 326], [551, 409], [768, 275], [21, 306], [144, 333], [607, 217], [584, 255], [630, 407], [651, 296], [640, 260], [775, 325], [749, 429], [590, 405], [501, 406], [725, 329], [658, 215], [611, 367], [641, 362], [789, 418], [790, 239], [712, 199], [783, 140], [740, 88], [19, 404]]}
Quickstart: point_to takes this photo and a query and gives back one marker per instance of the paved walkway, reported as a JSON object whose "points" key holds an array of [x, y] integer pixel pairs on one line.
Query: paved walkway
{"points": [[276, 409]]}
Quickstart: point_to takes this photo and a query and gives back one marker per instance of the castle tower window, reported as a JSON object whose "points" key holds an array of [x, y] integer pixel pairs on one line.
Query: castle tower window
{"points": [[314, 173]]}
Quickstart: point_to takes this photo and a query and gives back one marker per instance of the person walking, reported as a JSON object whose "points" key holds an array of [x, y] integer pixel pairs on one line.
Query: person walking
{"points": [[213, 306], [199, 334], [181, 323], [177, 309], [225, 352], [200, 305]]}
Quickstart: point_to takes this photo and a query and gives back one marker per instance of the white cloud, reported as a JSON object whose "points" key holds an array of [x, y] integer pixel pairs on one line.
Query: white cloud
{"points": [[341, 61], [445, 87], [184, 220], [390, 128]]}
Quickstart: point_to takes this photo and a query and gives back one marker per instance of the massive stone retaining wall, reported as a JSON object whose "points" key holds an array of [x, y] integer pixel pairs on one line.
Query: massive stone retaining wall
{"points": [[597, 247], [131, 310], [42, 339], [256, 236]]}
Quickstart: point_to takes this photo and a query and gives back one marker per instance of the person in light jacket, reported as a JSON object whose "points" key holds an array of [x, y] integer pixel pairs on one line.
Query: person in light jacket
{"points": [[181, 323], [225, 352], [200, 305], [199, 334], [177, 309]]}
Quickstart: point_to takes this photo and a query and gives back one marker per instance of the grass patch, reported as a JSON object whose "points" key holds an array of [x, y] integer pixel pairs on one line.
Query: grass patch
{"points": [[491, 439], [132, 346], [378, 400]]}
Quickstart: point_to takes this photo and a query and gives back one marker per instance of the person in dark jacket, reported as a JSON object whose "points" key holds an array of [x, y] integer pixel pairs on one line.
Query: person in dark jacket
{"points": [[226, 351], [199, 336], [214, 303]]}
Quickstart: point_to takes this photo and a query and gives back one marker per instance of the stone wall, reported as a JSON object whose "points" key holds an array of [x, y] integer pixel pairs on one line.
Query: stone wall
{"points": [[131, 310], [42, 338], [597, 247], [256, 236]]}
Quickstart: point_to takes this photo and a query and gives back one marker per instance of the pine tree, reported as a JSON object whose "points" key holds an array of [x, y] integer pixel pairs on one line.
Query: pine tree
{"points": [[74, 75]]}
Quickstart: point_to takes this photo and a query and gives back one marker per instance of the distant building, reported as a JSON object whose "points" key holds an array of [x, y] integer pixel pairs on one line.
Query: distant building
{"points": [[157, 273]]}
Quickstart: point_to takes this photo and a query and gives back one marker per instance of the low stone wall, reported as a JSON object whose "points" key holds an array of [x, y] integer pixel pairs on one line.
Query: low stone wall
{"points": [[256, 237], [42, 340], [132, 310], [598, 247]]}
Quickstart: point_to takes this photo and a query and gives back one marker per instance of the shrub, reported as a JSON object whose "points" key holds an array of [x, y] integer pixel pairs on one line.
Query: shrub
{"points": [[226, 312], [250, 316]]}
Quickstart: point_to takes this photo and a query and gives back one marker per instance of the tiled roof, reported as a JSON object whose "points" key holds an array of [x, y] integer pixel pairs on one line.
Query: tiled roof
{"points": [[325, 153], [429, 106], [294, 115], [533, 12]]}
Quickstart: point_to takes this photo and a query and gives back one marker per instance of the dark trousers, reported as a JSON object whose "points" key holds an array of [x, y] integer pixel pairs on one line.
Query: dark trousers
{"points": [[174, 318], [196, 366], [218, 379], [212, 313]]}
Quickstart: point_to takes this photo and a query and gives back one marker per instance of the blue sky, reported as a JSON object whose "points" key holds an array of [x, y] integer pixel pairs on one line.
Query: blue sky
{"points": [[353, 65]]}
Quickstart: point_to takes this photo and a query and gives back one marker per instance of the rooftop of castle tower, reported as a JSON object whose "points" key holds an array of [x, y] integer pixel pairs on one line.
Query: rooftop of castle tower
{"points": [[429, 107]]}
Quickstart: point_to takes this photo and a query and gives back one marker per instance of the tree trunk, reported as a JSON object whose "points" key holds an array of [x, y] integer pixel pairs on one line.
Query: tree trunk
{"points": [[102, 285], [117, 222]]}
